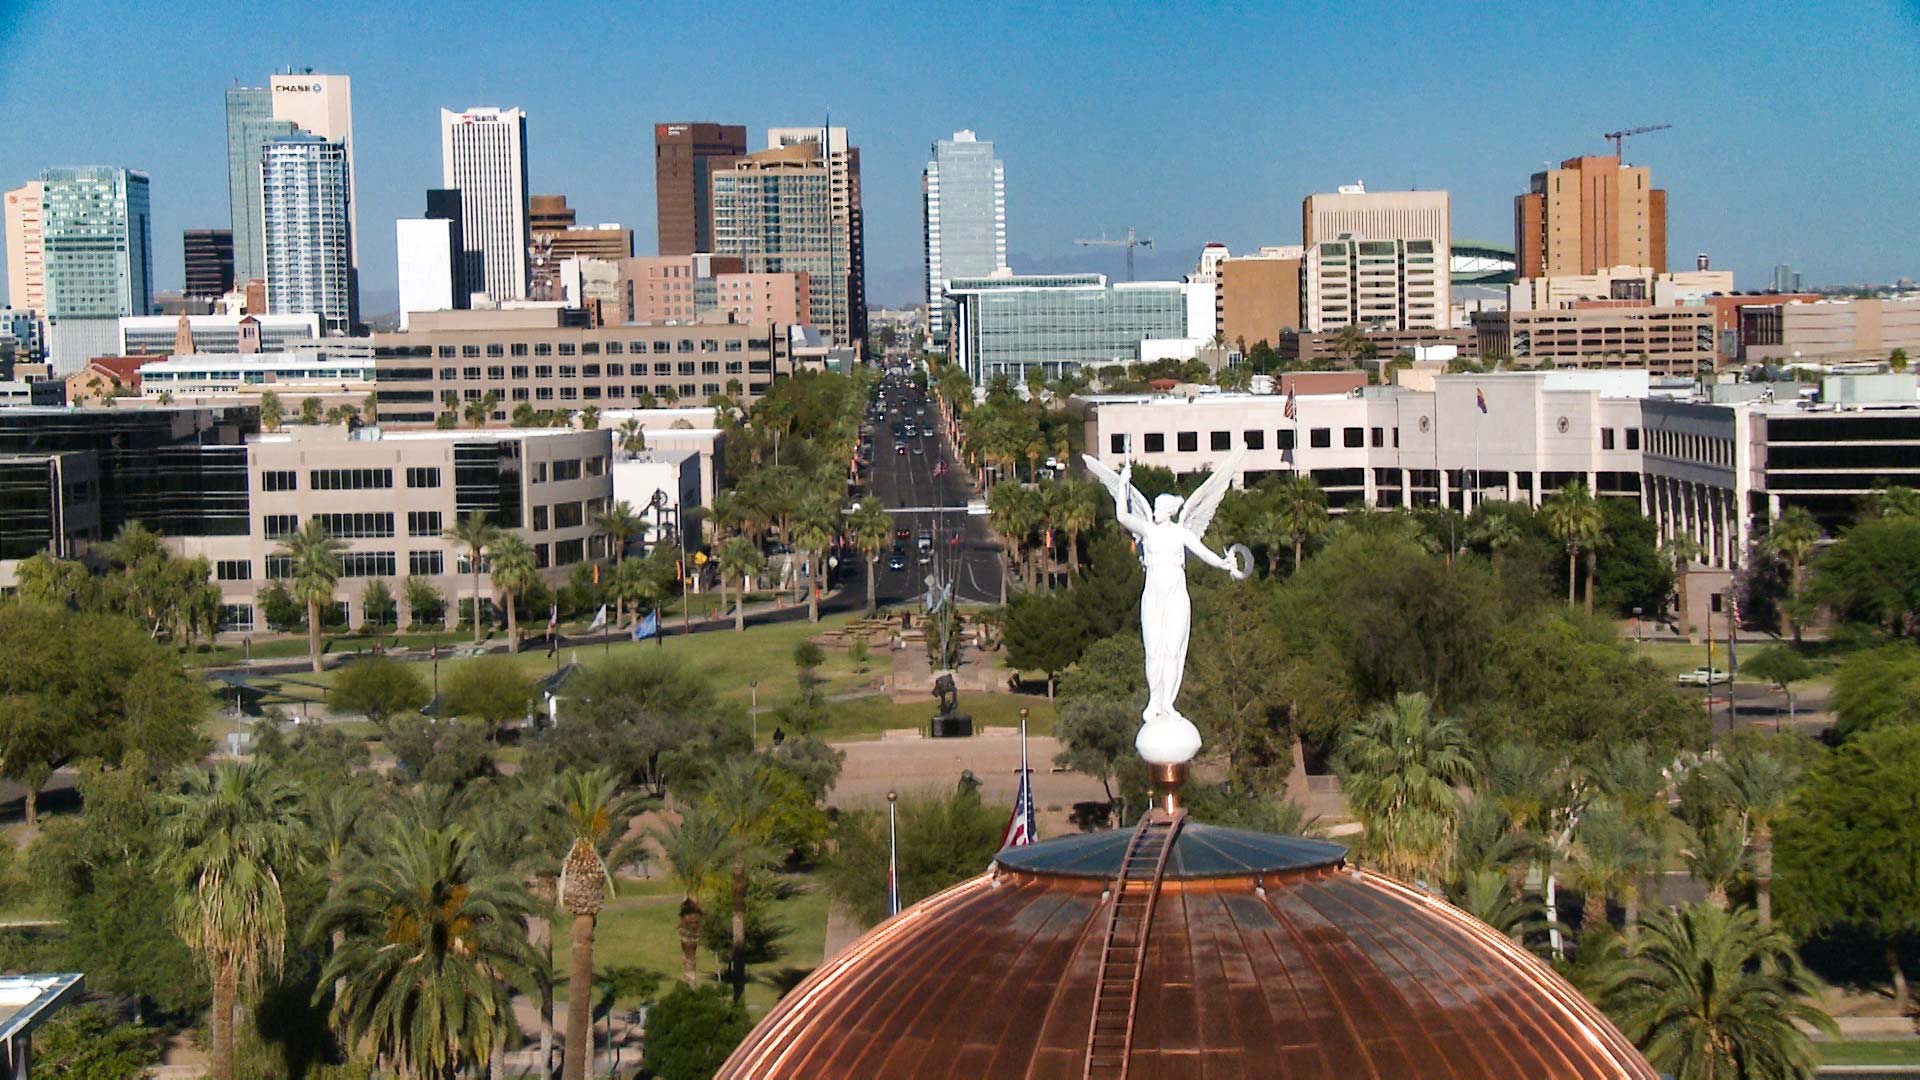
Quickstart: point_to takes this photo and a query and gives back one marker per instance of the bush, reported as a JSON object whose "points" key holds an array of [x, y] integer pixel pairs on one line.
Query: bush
{"points": [[691, 1032], [83, 1044]]}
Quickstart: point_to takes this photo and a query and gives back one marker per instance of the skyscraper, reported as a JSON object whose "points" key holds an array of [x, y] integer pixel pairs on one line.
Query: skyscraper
{"points": [[1589, 214], [250, 126], [843, 273], [774, 210], [321, 105], [684, 156], [26, 263], [1378, 259], [555, 238], [97, 240], [306, 215], [209, 261], [432, 257], [964, 218], [483, 153]]}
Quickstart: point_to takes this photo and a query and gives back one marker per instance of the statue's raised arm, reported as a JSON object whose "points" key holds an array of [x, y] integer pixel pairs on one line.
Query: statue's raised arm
{"points": [[1128, 503]]}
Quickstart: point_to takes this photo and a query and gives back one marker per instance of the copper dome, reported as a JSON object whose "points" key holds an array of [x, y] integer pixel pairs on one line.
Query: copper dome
{"points": [[1264, 956]]}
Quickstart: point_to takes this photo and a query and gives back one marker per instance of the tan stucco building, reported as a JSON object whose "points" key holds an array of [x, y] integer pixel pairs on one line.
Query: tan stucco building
{"points": [[1589, 214]]}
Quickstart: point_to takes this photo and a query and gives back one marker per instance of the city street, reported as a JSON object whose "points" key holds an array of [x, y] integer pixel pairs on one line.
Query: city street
{"points": [[927, 491]]}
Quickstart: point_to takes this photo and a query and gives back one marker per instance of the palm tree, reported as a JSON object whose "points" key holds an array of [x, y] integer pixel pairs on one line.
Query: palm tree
{"points": [[315, 556], [694, 853], [1793, 538], [1495, 532], [1681, 551], [333, 819], [814, 531], [272, 412], [232, 834], [1075, 509], [631, 437], [1299, 510], [632, 580], [1759, 785], [1716, 856], [621, 524], [475, 534], [590, 418], [1012, 511], [1399, 766], [431, 929], [871, 527], [740, 560], [1713, 995], [513, 572], [1610, 855], [477, 412], [738, 796], [596, 816], [1574, 518]]}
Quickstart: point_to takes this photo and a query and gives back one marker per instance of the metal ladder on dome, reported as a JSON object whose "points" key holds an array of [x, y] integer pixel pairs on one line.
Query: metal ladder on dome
{"points": [[1134, 892]]}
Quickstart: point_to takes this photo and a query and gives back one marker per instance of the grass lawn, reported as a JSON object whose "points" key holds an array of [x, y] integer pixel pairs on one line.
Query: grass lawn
{"points": [[1851, 1052], [641, 926], [1675, 658]]}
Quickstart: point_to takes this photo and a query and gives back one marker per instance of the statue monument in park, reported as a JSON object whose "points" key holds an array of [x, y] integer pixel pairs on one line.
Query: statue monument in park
{"points": [[1168, 529]]}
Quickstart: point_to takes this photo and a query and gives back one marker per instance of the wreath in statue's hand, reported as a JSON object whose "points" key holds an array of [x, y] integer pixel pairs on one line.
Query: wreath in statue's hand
{"points": [[1242, 558]]}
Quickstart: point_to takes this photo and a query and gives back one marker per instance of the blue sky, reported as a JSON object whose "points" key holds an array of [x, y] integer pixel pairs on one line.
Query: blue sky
{"points": [[1795, 137]]}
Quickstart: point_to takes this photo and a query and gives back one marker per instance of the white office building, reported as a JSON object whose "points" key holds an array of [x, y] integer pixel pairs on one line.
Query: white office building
{"points": [[305, 203], [483, 153], [1377, 260], [428, 250], [964, 219], [158, 334]]}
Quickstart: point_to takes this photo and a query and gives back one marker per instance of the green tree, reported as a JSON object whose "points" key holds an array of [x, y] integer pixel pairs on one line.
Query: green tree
{"points": [[233, 835], [871, 527], [944, 839], [83, 1044], [1707, 995], [315, 555], [1874, 688], [1847, 852], [514, 573], [1872, 573], [311, 411], [594, 815], [377, 607], [431, 937], [1792, 539], [426, 607], [740, 560], [377, 687], [1298, 511], [621, 525], [645, 715], [1577, 522], [691, 1032], [476, 413], [490, 689], [739, 794], [694, 852], [1012, 511], [1780, 666], [1044, 633], [814, 530], [1234, 689], [1399, 767], [272, 412], [474, 533]]}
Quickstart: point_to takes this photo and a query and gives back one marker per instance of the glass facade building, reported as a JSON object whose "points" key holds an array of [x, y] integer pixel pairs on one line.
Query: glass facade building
{"points": [[1005, 325], [250, 127], [306, 222], [964, 218], [97, 243]]}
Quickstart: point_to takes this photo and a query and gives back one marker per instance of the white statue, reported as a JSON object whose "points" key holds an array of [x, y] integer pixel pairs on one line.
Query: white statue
{"points": [[1168, 530]]}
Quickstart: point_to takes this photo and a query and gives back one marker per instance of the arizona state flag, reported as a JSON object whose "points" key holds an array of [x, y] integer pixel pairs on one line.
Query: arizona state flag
{"points": [[1480, 398]]}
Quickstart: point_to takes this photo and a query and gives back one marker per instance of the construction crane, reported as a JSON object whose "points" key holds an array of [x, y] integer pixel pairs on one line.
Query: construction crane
{"points": [[1620, 138], [1129, 243]]}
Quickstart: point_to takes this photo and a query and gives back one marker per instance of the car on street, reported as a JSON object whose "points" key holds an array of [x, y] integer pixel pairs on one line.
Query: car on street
{"points": [[918, 449], [900, 448], [1703, 676], [902, 535], [897, 562]]}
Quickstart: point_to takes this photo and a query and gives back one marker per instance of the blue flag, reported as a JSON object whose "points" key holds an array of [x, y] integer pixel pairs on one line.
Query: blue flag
{"points": [[647, 627]]}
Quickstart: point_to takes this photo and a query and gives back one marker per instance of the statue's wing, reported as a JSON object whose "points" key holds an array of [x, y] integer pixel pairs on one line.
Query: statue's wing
{"points": [[1198, 512], [1136, 502]]}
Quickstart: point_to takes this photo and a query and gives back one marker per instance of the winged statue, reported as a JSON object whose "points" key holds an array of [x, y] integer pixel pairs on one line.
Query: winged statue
{"points": [[1169, 528]]}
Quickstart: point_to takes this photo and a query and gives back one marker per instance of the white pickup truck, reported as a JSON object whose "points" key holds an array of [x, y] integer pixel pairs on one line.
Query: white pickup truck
{"points": [[1703, 676]]}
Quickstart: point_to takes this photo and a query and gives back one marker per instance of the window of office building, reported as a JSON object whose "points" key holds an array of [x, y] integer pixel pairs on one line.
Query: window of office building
{"points": [[1255, 440], [235, 617], [280, 480], [1283, 439], [539, 519], [590, 348], [543, 393], [519, 393], [471, 352], [543, 348], [568, 371], [686, 390], [494, 351], [1380, 437], [423, 476], [615, 371], [279, 567], [1156, 442], [426, 563], [233, 570], [349, 479], [616, 348], [367, 564], [518, 348], [663, 346], [542, 556], [1633, 438], [616, 391], [423, 523], [566, 469], [1187, 441], [567, 349], [519, 371], [684, 345], [358, 525], [446, 352], [1606, 438], [496, 373], [567, 515], [448, 374], [1353, 436], [596, 466], [1220, 440], [543, 371], [568, 552], [1117, 443], [278, 526], [569, 393], [1320, 437]]}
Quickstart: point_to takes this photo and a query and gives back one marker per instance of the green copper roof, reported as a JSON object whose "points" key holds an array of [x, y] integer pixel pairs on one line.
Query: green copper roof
{"points": [[1200, 851]]}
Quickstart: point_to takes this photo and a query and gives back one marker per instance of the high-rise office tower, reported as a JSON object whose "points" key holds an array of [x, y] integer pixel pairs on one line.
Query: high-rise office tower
{"points": [[774, 210], [319, 105], [97, 243], [963, 198], [1785, 279], [483, 154], [845, 270], [684, 156], [209, 261], [1590, 214], [432, 257], [26, 262], [306, 220], [1376, 259], [555, 238]]}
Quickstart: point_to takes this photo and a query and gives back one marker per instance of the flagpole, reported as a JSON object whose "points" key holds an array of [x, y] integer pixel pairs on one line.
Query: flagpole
{"points": [[893, 857]]}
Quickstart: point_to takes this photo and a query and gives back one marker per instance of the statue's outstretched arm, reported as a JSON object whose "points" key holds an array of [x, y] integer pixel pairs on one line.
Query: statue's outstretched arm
{"points": [[1207, 555]]}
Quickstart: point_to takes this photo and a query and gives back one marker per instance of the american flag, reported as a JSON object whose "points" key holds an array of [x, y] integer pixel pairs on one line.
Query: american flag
{"points": [[1733, 630], [1019, 829], [1293, 406]]}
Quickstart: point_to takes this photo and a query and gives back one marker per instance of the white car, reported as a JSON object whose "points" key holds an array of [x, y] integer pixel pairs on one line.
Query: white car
{"points": [[1703, 676]]}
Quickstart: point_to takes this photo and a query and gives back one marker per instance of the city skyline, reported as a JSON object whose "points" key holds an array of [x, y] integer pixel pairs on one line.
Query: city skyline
{"points": [[1218, 138]]}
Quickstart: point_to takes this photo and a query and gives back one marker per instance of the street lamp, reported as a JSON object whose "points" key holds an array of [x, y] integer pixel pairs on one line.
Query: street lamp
{"points": [[753, 710]]}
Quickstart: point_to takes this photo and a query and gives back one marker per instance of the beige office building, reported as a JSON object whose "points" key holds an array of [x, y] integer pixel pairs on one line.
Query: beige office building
{"points": [[555, 237], [548, 358], [26, 261], [1259, 295], [1587, 215], [1376, 260], [708, 288], [1669, 341], [1831, 330], [389, 496]]}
